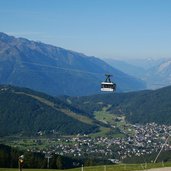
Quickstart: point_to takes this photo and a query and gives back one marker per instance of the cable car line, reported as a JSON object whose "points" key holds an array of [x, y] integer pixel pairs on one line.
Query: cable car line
{"points": [[67, 69], [162, 148], [107, 85]]}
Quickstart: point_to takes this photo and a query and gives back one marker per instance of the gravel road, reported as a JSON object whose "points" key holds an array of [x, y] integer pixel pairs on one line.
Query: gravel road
{"points": [[160, 169]]}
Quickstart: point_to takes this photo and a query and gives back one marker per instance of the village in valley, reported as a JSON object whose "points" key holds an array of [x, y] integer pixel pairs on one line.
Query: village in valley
{"points": [[146, 139]]}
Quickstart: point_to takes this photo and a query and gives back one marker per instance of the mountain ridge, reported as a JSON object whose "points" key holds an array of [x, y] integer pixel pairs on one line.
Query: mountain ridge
{"points": [[26, 112], [54, 70], [160, 75], [138, 107]]}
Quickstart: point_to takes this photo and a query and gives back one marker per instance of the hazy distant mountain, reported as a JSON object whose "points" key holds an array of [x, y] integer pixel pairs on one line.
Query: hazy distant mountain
{"points": [[155, 72], [145, 63], [159, 75], [126, 67], [54, 70]]}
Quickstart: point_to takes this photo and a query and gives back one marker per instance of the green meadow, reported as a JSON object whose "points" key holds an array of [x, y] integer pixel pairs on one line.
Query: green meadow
{"points": [[117, 167]]}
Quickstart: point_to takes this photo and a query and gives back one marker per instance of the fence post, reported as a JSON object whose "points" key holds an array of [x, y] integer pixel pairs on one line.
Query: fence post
{"points": [[104, 168], [125, 167]]}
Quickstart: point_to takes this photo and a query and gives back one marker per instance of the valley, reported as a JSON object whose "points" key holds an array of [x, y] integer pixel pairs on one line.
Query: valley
{"points": [[84, 125], [117, 144], [101, 125], [85, 85]]}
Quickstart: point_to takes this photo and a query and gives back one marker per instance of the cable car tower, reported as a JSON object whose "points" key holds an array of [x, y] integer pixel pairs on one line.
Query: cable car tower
{"points": [[108, 85]]}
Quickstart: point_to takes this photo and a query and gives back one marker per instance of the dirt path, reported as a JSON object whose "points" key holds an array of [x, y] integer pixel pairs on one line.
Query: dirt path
{"points": [[160, 169]]}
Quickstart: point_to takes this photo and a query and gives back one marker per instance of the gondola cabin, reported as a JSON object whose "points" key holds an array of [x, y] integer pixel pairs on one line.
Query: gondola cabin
{"points": [[107, 85]]}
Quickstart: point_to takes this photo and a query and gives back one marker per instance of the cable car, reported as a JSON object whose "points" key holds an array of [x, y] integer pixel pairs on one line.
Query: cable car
{"points": [[107, 85]]}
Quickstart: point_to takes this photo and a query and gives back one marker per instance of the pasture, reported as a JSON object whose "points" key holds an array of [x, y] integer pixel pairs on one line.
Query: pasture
{"points": [[117, 167]]}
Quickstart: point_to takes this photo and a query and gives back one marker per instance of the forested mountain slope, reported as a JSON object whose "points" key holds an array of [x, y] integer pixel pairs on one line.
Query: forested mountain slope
{"points": [[26, 112], [23, 111], [138, 107]]}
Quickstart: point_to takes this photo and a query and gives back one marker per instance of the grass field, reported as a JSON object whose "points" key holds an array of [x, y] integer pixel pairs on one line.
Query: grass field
{"points": [[119, 167], [114, 121]]}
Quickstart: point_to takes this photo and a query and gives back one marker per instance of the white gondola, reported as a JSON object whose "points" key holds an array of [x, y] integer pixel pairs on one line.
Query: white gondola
{"points": [[107, 85]]}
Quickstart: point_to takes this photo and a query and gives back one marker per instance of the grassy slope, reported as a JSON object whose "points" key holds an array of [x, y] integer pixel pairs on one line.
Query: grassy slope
{"points": [[102, 131], [49, 103], [105, 117]]}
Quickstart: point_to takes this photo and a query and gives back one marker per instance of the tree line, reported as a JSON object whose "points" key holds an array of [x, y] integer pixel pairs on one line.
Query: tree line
{"points": [[9, 159]]}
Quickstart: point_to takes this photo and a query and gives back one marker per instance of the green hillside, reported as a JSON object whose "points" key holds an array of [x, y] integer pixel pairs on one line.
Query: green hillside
{"points": [[138, 107], [27, 112], [23, 111]]}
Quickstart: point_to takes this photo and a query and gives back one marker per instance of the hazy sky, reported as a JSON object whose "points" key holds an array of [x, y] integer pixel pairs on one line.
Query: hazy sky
{"points": [[102, 28]]}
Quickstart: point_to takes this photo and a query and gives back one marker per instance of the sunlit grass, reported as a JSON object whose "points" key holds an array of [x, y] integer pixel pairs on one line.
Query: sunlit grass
{"points": [[118, 167]]}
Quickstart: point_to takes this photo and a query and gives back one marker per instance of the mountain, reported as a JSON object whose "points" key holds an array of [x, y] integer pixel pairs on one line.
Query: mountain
{"points": [[155, 72], [159, 75], [145, 63], [126, 67], [54, 70], [26, 112], [138, 107]]}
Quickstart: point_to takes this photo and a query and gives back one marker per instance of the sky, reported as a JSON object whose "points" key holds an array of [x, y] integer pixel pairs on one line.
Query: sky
{"points": [[118, 29]]}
